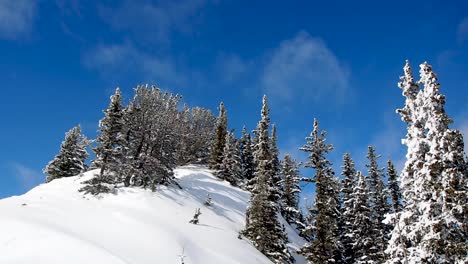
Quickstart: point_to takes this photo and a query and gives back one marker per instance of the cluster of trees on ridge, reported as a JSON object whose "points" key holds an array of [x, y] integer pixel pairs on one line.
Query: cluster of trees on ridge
{"points": [[420, 216]]}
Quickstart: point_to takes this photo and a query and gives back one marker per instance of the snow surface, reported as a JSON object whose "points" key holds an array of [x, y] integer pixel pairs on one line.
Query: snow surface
{"points": [[54, 223]]}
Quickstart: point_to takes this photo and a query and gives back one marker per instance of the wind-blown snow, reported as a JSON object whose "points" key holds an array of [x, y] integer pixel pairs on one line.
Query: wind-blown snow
{"points": [[54, 223]]}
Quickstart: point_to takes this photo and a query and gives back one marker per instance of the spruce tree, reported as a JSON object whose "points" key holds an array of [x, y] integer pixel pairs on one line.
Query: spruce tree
{"points": [[247, 159], [432, 225], [348, 198], [262, 225], [394, 187], [231, 169], [290, 196], [324, 216], [276, 166], [111, 148], [363, 240], [111, 141], [71, 159], [379, 206], [216, 158]]}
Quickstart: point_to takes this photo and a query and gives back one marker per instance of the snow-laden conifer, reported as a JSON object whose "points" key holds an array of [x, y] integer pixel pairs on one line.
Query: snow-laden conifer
{"points": [[247, 159], [363, 240], [71, 159], [349, 212], [110, 152], [219, 141], [379, 206], [262, 225], [231, 169], [431, 227], [324, 215], [290, 195], [394, 187], [110, 140]]}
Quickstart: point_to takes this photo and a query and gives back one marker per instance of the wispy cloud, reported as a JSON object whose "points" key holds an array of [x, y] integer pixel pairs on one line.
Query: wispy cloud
{"points": [[304, 67], [16, 18], [27, 177], [150, 20], [125, 59], [462, 31]]}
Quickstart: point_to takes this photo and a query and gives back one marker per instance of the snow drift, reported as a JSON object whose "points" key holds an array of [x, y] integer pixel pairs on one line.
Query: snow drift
{"points": [[54, 223]]}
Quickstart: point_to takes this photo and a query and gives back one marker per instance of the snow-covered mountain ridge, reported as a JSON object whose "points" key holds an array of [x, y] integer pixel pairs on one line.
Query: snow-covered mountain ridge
{"points": [[54, 223]]}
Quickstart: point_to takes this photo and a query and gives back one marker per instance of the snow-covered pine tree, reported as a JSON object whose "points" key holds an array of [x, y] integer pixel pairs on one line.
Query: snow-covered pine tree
{"points": [[216, 157], [324, 215], [110, 141], [71, 159], [362, 223], [348, 213], [432, 226], [184, 134], [276, 166], [290, 195], [231, 169], [445, 211], [202, 128], [394, 187], [262, 225], [379, 207], [247, 159], [111, 148]]}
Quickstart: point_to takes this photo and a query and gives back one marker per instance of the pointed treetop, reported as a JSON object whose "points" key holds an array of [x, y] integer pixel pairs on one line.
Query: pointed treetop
{"points": [[265, 108]]}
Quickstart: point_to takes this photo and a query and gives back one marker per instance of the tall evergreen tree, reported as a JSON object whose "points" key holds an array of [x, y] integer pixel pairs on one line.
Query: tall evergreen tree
{"points": [[349, 213], [363, 243], [262, 225], [432, 226], [324, 216], [111, 140], [216, 158], [394, 187], [290, 196], [247, 159], [71, 159], [111, 148], [379, 206], [276, 166], [231, 169]]}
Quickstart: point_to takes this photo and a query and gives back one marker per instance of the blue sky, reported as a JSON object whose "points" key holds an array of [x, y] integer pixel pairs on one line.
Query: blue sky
{"points": [[338, 61]]}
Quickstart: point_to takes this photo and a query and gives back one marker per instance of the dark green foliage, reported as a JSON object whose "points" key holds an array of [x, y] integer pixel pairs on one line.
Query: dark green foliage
{"points": [[324, 216], [362, 235], [379, 205], [72, 156], [347, 190], [231, 168], [290, 195], [217, 148], [262, 225], [247, 159], [394, 187]]}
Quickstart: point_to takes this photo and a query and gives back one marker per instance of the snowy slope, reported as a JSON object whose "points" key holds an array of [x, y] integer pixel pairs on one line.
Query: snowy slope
{"points": [[54, 223]]}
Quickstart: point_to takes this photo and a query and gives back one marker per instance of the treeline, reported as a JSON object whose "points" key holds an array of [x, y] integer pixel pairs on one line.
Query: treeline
{"points": [[374, 216], [139, 144]]}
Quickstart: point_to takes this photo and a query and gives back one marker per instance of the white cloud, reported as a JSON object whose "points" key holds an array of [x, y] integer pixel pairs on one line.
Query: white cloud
{"points": [[151, 20], [16, 17], [462, 30], [304, 69], [230, 67], [118, 59], [27, 177]]}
